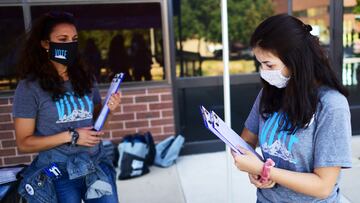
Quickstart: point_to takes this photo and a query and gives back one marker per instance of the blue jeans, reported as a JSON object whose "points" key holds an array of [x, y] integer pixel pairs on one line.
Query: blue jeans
{"points": [[72, 191]]}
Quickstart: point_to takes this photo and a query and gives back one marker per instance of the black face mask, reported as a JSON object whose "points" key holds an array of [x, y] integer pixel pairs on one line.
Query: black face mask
{"points": [[64, 53]]}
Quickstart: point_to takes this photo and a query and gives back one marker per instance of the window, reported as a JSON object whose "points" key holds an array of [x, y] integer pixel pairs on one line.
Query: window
{"points": [[115, 38], [12, 32], [198, 34], [351, 44], [316, 14]]}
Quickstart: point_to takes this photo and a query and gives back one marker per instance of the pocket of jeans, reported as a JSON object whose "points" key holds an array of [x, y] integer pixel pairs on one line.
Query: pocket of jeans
{"points": [[38, 187]]}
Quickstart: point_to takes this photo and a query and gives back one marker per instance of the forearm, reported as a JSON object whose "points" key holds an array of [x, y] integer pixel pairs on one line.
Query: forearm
{"points": [[307, 183], [249, 137], [34, 143]]}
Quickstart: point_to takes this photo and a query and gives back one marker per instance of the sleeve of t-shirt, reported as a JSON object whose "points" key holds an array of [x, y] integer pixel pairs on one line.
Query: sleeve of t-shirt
{"points": [[96, 95], [252, 121], [333, 138], [25, 101]]}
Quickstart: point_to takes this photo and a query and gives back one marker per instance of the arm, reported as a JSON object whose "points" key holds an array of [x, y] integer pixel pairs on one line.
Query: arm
{"points": [[252, 140], [249, 137], [29, 143], [319, 183]]}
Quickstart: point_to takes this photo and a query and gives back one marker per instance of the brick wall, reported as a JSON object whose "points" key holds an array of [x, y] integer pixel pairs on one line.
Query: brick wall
{"points": [[142, 109]]}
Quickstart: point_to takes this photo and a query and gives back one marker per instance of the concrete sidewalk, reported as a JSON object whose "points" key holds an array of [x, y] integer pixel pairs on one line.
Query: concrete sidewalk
{"points": [[202, 179]]}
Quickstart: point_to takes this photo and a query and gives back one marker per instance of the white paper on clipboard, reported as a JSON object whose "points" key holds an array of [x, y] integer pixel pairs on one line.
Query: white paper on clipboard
{"points": [[114, 86], [217, 126]]}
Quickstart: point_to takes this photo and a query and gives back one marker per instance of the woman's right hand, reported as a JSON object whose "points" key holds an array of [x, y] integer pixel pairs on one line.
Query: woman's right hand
{"points": [[255, 180], [88, 137]]}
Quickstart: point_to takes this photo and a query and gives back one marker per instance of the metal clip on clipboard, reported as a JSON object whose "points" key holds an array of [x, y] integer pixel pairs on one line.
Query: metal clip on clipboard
{"points": [[217, 126], [208, 121], [114, 87]]}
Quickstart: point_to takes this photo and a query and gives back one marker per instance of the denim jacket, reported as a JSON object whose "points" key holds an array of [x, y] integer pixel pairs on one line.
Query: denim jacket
{"points": [[37, 185]]}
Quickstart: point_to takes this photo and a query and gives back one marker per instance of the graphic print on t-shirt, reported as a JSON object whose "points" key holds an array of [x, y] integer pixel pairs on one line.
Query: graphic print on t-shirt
{"points": [[72, 108], [276, 142]]}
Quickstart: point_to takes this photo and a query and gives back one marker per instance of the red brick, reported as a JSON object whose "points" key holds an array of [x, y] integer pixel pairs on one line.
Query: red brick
{"points": [[1, 162], [169, 129], [166, 97], [158, 138], [4, 101], [6, 109], [164, 105], [136, 124], [17, 160], [5, 118], [6, 126], [121, 133], [123, 117], [134, 92], [167, 113], [6, 135], [116, 141], [115, 125], [153, 130], [142, 99], [7, 152], [8, 143], [159, 90], [162, 122], [134, 108], [147, 115], [127, 100]]}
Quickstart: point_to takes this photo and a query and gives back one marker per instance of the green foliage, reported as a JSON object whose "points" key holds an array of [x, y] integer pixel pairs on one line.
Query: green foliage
{"points": [[356, 9], [202, 19]]}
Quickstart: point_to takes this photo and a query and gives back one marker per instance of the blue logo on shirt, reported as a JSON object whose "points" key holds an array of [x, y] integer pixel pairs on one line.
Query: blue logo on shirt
{"points": [[279, 143], [71, 108]]}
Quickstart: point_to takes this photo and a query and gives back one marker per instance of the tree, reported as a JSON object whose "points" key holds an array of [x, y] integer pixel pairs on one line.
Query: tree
{"points": [[202, 19], [356, 9]]}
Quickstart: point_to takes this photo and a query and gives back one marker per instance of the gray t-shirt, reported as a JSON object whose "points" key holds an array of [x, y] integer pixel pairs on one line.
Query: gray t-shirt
{"points": [[52, 117], [326, 142]]}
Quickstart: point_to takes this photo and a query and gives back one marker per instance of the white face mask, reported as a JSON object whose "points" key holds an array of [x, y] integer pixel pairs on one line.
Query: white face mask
{"points": [[274, 77]]}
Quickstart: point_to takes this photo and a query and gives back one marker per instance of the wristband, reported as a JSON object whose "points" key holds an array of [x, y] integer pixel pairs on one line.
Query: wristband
{"points": [[74, 136], [265, 173]]}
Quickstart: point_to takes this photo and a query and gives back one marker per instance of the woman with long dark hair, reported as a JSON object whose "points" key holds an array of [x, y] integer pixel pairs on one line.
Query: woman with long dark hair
{"points": [[55, 104], [300, 119]]}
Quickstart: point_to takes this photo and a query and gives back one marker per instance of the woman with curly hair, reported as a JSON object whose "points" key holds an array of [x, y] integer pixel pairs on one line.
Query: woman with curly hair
{"points": [[55, 104]]}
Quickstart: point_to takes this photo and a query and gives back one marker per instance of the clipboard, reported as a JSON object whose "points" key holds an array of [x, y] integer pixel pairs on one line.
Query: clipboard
{"points": [[208, 121], [114, 87], [217, 126]]}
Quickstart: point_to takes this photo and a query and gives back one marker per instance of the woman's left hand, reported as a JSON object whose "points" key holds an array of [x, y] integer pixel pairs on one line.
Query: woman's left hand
{"points": [[247, 161], [114, 101]]}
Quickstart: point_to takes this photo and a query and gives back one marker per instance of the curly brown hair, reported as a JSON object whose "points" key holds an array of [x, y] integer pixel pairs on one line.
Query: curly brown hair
{"points": [[34, 63]]}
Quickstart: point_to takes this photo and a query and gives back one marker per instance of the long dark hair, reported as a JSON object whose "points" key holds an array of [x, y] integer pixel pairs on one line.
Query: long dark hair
{"points": [[289, 39], [34, 63]]}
